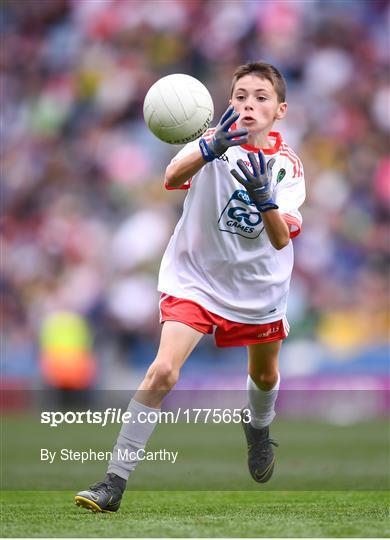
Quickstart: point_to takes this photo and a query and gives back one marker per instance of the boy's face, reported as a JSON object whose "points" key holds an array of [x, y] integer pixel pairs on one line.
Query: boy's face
{"points": [[256, 100]]}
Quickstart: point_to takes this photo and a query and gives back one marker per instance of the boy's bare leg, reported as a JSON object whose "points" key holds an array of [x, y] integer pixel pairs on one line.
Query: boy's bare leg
{"points": [[177, 342], [263, 364], [263, 386]]}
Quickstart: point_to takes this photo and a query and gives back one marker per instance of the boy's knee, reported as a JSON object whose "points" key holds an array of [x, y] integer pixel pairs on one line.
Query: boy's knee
{"points": [[265, 381], [162, 375]]}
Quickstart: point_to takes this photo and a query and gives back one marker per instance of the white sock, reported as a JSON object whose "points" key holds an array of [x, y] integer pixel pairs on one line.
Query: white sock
{"points": [[133, 437], [262, 403]]}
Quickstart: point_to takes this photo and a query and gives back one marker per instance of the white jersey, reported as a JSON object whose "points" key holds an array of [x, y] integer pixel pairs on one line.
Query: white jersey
{"points": [[220, 255]]}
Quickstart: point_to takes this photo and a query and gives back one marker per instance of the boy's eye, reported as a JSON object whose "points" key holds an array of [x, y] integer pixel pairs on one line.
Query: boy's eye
{"points": [[240, 98], [261, 98]]}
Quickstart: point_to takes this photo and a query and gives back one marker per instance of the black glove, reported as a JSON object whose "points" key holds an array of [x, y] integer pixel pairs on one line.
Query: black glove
{"points": [[223, 138], [258, 182]]}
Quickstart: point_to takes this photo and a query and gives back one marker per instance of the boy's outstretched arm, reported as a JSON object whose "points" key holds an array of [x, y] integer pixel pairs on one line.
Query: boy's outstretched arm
{"points": [[257, 184], [277, 229], [180, 171]]}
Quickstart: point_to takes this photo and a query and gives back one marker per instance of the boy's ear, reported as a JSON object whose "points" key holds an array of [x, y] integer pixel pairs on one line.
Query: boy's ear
{"points": [[282, 109]]}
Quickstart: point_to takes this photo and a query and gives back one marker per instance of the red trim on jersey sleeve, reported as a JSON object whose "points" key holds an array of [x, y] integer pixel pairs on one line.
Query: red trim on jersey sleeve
{"points": [[291, 156], [186, 185], [292, 222]]}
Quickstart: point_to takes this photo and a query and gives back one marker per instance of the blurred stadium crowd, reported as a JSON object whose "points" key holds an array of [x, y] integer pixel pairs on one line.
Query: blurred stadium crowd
{"points": [[85, 218]]}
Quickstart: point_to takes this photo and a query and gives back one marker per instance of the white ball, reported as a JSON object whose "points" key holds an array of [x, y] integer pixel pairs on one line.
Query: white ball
{"points": [[178, 109]]}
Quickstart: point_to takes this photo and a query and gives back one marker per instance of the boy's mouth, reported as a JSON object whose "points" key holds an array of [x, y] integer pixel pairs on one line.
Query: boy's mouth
{"points": [[248, 118]]}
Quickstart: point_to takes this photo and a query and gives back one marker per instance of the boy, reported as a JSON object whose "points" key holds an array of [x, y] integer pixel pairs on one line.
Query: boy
{"points": [[228, 265]]}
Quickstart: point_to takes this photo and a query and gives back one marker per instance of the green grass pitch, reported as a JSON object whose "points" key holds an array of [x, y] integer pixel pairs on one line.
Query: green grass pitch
{"points": [[330, 481], [201, 514]]}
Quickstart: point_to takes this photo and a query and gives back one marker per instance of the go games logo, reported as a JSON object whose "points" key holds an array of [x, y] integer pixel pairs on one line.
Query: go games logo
{"points": [[240, 216]]}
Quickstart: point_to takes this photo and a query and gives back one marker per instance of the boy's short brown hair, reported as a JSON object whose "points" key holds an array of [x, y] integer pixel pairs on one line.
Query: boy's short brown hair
{"points": [[265, 71]]}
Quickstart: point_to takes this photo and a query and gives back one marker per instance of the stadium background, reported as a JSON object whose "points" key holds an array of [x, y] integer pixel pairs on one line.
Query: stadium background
{"points": [[85, 218]]}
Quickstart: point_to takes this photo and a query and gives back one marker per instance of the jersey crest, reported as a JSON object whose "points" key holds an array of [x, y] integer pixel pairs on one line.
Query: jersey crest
{"points": [[281, 175]]}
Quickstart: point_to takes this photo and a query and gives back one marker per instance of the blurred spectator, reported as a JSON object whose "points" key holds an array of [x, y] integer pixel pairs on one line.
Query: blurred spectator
{"points": [[67, 361], [85, 218]]}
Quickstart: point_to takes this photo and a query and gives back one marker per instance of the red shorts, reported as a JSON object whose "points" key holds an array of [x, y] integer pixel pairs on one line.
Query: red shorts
{"points": [[227, 333]]}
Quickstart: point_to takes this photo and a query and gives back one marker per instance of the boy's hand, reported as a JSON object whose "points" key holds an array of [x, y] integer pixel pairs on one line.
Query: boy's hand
{"points": [[223, 138], [258, 182]]}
